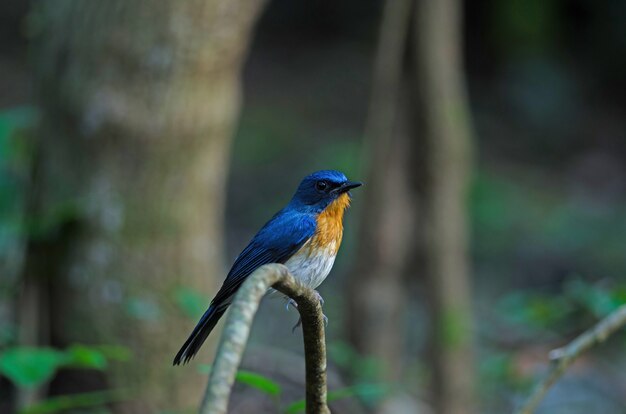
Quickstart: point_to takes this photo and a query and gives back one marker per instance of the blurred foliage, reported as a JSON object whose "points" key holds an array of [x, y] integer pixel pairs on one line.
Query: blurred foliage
{"points": [[527, 219], [500, 380], [15, 157], [252, 379], [525, 26], [498, 368], [8, 329], [535, 314], [15, 151], [360, 368], [30, 367], [259, 382], [365, 373], [74, 402], [363, 391], [548, 251]]}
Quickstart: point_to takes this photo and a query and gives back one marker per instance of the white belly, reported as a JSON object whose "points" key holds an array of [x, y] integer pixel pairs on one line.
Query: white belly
{"points": [[311, 267]]}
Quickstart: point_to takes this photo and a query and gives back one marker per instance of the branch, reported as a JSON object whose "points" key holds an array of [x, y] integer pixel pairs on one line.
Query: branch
{"points": [[237, 329], [562, 358]]}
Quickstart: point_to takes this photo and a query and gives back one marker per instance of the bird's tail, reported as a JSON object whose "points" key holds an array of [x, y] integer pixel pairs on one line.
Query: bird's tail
{"points": [[200, 333]]}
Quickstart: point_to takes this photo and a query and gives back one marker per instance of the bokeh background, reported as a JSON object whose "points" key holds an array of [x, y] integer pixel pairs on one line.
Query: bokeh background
{"points": [[142, 144]]}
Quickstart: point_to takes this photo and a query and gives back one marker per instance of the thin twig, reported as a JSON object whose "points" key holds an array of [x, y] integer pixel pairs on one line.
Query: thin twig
{"points": [[562, 358], [237, 329]]}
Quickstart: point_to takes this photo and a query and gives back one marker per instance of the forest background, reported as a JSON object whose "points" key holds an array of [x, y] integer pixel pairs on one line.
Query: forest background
{"points": [[142, 144]]}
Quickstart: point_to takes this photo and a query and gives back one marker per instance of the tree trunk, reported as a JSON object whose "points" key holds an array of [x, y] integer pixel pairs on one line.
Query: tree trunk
{"points": [[139, 101], [417, 227], [441, 162], [376, 298]]}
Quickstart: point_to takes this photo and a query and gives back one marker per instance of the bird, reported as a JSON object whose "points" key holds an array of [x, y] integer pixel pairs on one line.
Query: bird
{"points": [[304, 236]]}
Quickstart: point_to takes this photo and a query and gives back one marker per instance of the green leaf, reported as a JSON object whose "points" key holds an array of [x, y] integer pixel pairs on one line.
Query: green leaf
{"points": [[259, 382], [598, 300], [254, 380], [86, 357], [83, 400], [115, 352], [296, 407], [30, 367]]}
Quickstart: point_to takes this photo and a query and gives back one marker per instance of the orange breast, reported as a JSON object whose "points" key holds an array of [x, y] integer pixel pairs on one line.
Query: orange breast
{"points": [[330, 225]]}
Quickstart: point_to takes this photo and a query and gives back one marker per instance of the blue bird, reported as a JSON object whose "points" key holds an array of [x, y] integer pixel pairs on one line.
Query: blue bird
{"points": [[305, 236]]}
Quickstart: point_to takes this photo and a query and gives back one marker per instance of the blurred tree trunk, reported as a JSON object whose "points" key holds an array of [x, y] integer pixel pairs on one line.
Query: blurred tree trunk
{"points": [[417, 228], [377, 297], [441, 160], [139, 101]]}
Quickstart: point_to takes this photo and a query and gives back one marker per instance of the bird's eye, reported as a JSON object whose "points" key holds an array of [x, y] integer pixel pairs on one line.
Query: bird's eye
{"points": [[321, 185]]}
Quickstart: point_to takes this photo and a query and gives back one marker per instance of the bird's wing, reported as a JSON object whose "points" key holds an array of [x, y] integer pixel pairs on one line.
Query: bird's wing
{"points": [[276, 242]]}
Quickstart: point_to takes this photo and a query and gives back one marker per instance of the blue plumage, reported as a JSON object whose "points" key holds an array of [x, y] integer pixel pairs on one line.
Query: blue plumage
{"points": [[280, 238], [277, 241]]}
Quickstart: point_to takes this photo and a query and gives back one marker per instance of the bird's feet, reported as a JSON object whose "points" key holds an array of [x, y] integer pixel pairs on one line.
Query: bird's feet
{"points": [[295, 305], [292, 303], [297, 325], [319, 297]]}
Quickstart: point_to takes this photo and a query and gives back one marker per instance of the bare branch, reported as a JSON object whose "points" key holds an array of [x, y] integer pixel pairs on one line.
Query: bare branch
{"points": [[562, 358], [237, 329]]}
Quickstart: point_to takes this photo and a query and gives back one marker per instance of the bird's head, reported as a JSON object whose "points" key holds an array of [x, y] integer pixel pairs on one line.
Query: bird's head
{"points": [[318, 190]]}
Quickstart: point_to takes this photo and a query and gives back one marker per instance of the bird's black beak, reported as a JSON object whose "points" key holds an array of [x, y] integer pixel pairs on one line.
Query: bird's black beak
{"points": [[347, 186]]}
